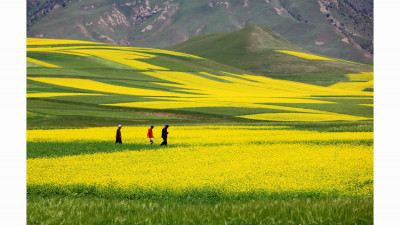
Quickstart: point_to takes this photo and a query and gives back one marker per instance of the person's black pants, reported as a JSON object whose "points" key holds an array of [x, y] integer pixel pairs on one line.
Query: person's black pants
{"points": [[165, 141], [118, 140]]}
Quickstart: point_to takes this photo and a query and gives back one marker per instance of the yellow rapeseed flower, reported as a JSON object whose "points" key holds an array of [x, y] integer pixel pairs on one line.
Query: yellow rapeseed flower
{"points": [[305, 55], [363, 76], [41, 63], [344, 169], [197, 135], [353, 86]]}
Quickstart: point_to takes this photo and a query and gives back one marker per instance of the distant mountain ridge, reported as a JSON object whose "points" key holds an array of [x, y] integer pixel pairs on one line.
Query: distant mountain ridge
{"points": [[337, 28]]}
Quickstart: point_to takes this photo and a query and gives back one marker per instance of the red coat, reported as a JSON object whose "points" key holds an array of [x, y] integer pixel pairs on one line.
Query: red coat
{"points": [[150, 133]]}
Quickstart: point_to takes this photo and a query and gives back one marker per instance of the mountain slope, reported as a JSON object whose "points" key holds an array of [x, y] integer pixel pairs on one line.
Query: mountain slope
{"points": [[341, 29], [255, 49]]}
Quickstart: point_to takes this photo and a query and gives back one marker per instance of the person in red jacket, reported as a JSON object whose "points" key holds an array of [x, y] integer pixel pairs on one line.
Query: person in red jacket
{"points": [[150, 135]]}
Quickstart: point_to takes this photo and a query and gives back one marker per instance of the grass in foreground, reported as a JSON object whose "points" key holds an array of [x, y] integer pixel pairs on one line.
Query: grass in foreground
{"points": [[57, 209]]}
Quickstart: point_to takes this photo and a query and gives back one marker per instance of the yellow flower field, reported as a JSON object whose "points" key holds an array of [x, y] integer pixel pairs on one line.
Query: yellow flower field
{"points": [[371, 105], [122, 55], [183, 90], [304, 55], [32, 44], [43, 41], [363, 76], [353, 86], [203, 92], [91, 85], [41, 63], [225, 158], [197, 135], [303, 117]]}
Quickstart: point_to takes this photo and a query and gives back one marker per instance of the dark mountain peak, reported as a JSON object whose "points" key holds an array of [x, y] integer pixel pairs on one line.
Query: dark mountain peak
{"points": [[338, 28]]}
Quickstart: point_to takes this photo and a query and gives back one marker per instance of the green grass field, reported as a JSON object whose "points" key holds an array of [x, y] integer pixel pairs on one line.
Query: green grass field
{"points": [[89, 210]]}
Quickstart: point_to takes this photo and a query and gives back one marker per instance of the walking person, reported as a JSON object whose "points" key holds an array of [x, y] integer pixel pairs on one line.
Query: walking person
{"points": [[118, 136], [164, 135], [150, 134]]}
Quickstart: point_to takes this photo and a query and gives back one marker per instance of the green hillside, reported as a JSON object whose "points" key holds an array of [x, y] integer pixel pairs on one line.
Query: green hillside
{"points": [[254, 49], [82, 110], [336, 29], [78, 84]]}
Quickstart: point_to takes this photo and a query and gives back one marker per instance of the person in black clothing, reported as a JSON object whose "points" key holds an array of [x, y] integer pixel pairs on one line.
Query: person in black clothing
{"points": [[118, 136], [164, 135]]}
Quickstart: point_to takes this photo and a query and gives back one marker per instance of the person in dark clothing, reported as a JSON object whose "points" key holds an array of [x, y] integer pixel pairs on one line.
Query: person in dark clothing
{"points": [[118, 136], [164, 135]]}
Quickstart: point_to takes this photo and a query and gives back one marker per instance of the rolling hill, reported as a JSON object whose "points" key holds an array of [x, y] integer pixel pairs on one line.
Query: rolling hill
{"points": [[341, 29], [259, 50], [77, 83]]}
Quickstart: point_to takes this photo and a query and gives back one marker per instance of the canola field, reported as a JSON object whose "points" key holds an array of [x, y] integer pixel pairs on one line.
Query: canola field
{"points": [[305, 55], [93, 83], [238, 142], [233, 160], [133, 79]]}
